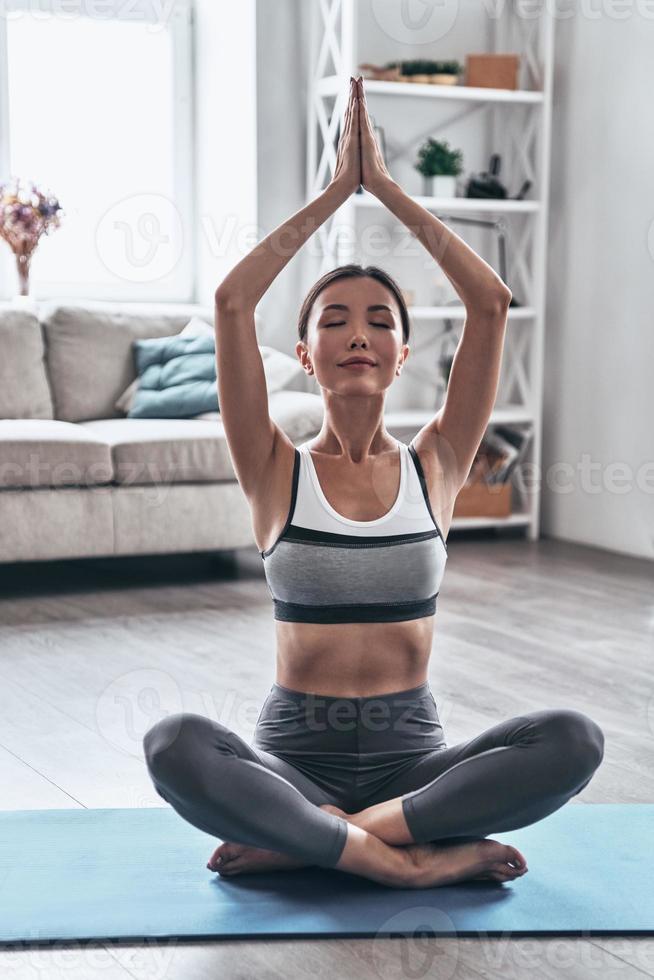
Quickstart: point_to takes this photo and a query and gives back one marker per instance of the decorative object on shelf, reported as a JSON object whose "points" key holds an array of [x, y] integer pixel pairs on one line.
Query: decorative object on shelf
{"points": [[445, 73], [26, 213], [487, 183], [439, 166], [423, 71], [381, 73], [492, 70], [487, 491], [478, 499], [513, 440]]}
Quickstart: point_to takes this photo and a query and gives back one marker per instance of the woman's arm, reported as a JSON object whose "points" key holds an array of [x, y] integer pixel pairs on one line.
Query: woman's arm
{"points": [[451, 439], [475, 281], [247, 282], [251, 434]]}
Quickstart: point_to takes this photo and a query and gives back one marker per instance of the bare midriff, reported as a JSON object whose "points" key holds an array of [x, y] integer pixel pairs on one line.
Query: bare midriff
{"points": [[354, 659]]}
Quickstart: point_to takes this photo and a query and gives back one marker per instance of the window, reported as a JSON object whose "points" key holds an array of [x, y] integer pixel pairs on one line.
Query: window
{"points": [[98, 110]]}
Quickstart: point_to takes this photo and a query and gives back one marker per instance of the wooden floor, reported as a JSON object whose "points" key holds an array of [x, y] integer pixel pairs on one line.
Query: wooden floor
{"points": [[521, 625]]}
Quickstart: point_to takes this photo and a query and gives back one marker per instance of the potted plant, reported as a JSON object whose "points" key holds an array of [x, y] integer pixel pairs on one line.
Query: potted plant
{"points": [[445, 73], [415, 71], [430, 72], [440, 166]]}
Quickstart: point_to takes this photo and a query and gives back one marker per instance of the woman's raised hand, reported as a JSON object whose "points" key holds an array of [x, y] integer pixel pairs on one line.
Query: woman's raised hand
{"points": [[373, 169], [348, 157]]}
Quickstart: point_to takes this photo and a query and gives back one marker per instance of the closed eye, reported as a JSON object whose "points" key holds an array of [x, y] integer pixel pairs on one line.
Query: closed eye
{"points": [[341, 322]]}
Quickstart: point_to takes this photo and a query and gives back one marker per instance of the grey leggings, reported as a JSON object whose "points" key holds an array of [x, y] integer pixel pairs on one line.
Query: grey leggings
{"points": [[309, 749]]}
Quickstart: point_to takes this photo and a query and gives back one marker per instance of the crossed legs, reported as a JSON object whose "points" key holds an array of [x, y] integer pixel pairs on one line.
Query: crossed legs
{"points": [[511, 775]]}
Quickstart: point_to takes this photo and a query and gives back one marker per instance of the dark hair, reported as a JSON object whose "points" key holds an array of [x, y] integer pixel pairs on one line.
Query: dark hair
{"points": [[353, 271]]}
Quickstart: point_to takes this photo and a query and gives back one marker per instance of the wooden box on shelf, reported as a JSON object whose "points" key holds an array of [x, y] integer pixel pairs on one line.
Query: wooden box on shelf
{"points": [[492, 70], [481, 499]]}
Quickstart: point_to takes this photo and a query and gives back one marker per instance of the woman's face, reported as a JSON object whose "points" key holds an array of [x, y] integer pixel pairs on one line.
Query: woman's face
{"points": [[352, 317]]}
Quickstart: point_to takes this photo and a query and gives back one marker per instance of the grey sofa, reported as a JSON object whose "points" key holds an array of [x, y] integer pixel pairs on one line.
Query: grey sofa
{"points": [[77, 478]]}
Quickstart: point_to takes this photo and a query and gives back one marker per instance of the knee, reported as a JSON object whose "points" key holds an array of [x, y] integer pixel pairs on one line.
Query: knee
{"points": [[174, 744], [577, 742]]}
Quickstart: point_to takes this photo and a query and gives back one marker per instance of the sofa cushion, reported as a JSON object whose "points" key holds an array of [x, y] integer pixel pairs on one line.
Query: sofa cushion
{"points": [[186, 450], [196, 327], [281, 370], [57, 522], [48, 453], [89, 350], [177, 377], [298, 413], [141, 400], [24, 388], [164, 450]]}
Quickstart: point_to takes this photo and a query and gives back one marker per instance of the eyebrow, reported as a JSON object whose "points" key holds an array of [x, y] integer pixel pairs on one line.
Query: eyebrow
{"points": [[342, 306]]}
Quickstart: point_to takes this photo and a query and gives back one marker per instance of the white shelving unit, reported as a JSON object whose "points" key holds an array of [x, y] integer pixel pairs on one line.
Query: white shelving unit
{"points": [[514, 123]]}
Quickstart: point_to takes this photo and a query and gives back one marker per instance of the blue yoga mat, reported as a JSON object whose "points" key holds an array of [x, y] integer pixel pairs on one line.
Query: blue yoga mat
{"points": [[137, 873]]}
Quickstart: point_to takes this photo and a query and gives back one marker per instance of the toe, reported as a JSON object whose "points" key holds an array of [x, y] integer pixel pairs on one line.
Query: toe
{"points": [[223, 854], [514, 857], [229, 869], [505, 871]]}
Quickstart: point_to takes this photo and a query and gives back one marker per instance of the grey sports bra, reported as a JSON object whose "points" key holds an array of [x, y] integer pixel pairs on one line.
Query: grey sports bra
{"points": [[326, 568]]}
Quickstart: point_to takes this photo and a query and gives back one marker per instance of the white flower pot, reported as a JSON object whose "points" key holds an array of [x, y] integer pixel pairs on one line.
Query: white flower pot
{"points": [[440, 186]]}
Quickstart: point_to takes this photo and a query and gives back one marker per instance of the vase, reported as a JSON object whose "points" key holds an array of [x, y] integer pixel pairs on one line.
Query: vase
{"points": [[23, 266], [440, 185]]}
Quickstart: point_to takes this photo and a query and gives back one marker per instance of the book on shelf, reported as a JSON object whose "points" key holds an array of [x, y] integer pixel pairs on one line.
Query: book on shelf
{"points": [[502, 448]]}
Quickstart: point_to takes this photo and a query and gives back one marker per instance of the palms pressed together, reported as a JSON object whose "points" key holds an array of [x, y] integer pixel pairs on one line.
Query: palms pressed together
{"points": [[359, 160]]}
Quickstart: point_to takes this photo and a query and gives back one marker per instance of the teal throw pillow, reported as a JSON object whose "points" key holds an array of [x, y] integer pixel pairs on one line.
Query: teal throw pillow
{"points": [[177, 377]]}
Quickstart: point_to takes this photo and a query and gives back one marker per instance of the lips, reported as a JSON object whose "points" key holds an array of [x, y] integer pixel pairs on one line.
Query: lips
{"points": [[357, 360]]}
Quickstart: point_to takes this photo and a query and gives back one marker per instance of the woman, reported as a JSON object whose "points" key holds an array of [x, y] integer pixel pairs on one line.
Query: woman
{"points": [[349, 768]]}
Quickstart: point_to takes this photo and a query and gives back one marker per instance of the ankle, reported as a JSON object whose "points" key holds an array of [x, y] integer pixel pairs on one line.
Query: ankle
{"points": [[366, 854], [385, 821], [399, 867], [405, 871], [357, 819]]}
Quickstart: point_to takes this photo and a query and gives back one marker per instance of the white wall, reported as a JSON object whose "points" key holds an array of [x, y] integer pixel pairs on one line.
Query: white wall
{"points": [[250, 132], [599, 358], [225, 137]]}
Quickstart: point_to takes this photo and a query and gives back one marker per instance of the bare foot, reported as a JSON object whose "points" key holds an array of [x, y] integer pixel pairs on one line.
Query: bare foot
{"points": [[434, 865], [233, 859]]}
